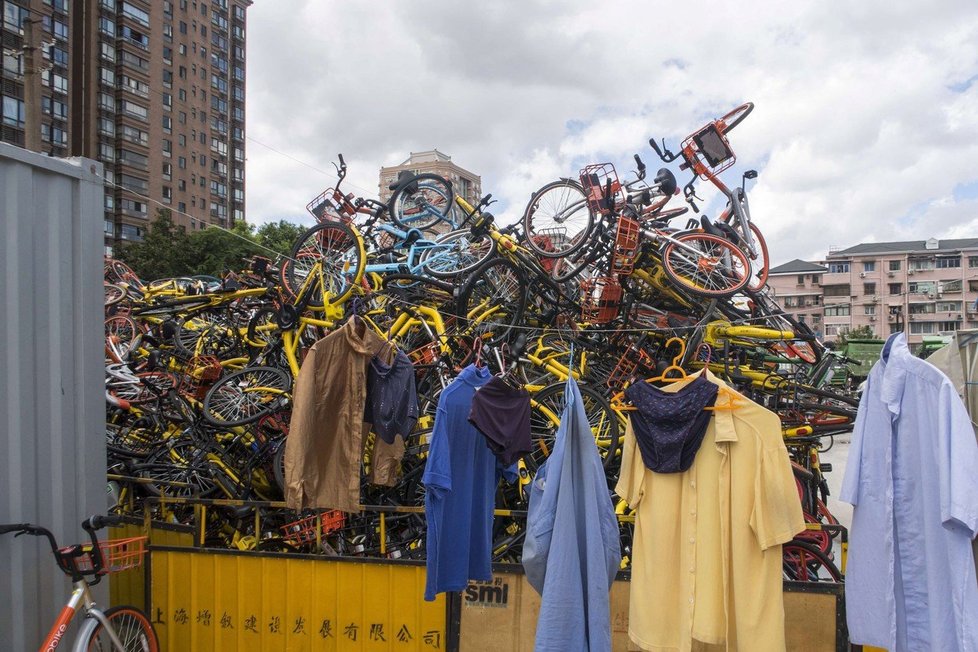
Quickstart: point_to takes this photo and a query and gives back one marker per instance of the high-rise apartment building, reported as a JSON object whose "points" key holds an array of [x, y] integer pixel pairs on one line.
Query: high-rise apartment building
{"points": [[466, 184], [932, 283], [155, 89], [35, 77]]}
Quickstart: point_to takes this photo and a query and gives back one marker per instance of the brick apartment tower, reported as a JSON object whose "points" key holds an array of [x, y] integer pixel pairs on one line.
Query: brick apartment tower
{"points": [[155, 89], [466, 184]]}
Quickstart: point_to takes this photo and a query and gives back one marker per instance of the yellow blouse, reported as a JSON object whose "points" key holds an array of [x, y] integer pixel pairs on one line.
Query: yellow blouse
{"points": [[706, 554]]}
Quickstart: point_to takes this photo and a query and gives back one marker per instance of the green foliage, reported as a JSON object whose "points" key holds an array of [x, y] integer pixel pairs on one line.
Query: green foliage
{"points": [[164, 252], [279, 236], [168, 250], [858, 333]]}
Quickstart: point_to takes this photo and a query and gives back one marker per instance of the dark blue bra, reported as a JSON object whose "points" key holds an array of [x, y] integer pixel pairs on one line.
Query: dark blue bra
{"points": [[669, 426]]}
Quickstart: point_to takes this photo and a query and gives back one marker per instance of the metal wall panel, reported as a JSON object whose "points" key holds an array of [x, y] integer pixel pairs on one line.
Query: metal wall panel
{"points": [[52, 405], [214, 601]]}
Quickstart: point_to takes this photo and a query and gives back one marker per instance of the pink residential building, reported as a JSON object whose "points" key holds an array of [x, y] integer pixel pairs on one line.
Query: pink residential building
{"points": [[797, 287], [933, 283]]}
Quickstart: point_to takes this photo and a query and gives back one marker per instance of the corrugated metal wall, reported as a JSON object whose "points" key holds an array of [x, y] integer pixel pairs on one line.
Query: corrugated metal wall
{"points": [[52, 405]]}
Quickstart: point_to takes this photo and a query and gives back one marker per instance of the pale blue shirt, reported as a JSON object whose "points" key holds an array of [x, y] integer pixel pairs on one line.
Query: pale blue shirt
{"points": [[912, 476], [572, 550]]}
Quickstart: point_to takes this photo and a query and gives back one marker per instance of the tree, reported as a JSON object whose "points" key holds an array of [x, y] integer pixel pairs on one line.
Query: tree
{"points": [[216, 251], [278, 236], [168, 250], [164, 252], [858, 333]]}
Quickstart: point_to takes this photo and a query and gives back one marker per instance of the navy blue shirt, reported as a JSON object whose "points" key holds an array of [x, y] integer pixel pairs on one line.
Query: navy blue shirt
{"points": [[460, 485]]}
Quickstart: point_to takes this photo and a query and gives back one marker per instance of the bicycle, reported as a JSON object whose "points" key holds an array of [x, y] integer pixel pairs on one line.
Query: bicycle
{"points": [[707, 153], [118, 628]]}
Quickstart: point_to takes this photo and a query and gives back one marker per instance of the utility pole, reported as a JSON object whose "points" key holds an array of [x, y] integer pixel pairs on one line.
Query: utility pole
{"points": [[32, 108]]}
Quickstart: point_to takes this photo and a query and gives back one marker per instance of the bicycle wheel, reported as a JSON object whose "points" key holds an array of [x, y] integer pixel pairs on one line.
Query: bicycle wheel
{"points": [[246, 396], [557, 221], [759, 265], [178, 469], [131, 626], [547, 406], [422, 202], [326, 262], [705, 264], [455, 253], [114, 293], [121, 333], [493, 299], [803, 562], [145, 387]]}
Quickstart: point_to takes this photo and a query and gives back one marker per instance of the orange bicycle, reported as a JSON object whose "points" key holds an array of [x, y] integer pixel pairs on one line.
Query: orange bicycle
{"points": [[117, 629]]}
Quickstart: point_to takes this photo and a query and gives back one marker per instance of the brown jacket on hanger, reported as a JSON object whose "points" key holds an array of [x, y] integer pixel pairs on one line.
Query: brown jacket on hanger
{"points": [[323, 449]]}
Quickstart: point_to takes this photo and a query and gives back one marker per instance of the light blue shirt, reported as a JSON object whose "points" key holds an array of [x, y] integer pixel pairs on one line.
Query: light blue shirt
{"points": [[912, 476], [572, 550]]}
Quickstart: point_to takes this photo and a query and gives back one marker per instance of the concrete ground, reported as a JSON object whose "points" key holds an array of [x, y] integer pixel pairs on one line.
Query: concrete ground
{"points": [[837, 457]]}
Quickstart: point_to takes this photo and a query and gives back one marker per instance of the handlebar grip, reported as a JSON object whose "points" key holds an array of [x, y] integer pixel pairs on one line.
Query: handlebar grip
{"points": [[655, 146], [342, 162], [98, 522], [641, 166], [14, 527]]}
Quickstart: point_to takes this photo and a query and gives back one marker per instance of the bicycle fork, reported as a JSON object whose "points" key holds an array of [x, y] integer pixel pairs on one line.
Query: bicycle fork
{"points": [[80, 597]]}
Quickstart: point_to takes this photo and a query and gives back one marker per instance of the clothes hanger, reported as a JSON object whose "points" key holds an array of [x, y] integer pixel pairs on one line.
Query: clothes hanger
{"points": [[620, 403], [477, 349]]}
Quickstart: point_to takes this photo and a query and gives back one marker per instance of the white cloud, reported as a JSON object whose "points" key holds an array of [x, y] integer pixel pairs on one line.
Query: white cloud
{"points": [[864, 125]]}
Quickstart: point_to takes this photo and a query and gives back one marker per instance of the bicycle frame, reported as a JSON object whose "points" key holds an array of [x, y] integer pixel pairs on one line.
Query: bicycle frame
{"points": [[412, 263], [81, 597]]}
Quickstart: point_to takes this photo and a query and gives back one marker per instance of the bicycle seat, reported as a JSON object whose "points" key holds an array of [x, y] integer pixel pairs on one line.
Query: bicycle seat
{"points": [[666, 181], [401, 177], [413, 235]]}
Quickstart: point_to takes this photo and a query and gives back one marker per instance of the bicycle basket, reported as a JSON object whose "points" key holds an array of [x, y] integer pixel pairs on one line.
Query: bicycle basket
{"points": [[202, 371], [117, 555], [633, 361], [708, 151], [303, 531], [600, 299], [330, 205], [626, 246], [601, 187]]}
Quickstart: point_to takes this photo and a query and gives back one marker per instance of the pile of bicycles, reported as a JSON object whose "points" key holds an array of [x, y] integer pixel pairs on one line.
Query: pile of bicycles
{"points": [[596, 281]]}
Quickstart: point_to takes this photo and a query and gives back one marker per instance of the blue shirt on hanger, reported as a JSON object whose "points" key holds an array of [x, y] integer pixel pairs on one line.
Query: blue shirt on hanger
{"points": [[460, 479], [912, 477], [572, 550]]}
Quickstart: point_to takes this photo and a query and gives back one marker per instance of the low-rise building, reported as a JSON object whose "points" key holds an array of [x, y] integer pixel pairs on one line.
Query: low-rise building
{"points": [[932, 283]]}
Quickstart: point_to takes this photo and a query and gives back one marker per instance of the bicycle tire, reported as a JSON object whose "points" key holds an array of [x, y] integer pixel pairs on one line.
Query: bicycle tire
{"points": [[121, 336], [422, 201], [547, 406], [209, 339], [457, 253], [180, 304], [553, 206], [702, 272], [138, 393], [574, 264], [758, 268], [493, 299], [171, 467], [114, 293], [802, 562], [246, 396], [339, 250], [736, 116], [131, 625]]}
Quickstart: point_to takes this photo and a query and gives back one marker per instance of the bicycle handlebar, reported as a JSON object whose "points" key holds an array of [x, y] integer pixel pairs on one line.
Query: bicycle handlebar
{"points": [[90, 525]]}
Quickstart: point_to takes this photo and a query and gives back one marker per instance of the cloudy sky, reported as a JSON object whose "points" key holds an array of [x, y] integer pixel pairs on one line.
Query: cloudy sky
{"points": [[865, 127]]}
